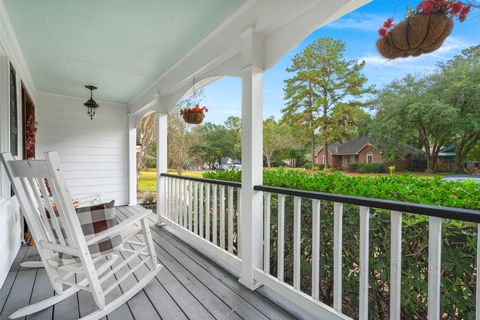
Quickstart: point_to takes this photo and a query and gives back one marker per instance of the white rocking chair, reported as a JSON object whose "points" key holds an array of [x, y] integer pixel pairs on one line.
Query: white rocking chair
{"points": [[58, 232]]}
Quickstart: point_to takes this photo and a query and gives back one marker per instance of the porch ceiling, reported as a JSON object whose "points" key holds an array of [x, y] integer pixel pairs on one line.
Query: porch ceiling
{"points": [[121, 46]]}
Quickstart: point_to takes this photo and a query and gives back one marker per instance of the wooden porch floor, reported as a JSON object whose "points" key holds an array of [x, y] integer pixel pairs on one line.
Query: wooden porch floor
{"points": [[190, 286]]}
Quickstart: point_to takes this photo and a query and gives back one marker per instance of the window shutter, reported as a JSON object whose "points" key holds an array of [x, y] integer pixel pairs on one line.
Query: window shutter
{"points": [[13, 112]]}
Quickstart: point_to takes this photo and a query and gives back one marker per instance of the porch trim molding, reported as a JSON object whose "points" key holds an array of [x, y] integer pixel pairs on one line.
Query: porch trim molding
{"points": [[4, 123], [162, 162], [132, 160], [10, 47]]}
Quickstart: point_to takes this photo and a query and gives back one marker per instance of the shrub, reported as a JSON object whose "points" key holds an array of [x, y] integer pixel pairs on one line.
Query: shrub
{"points": [[418, 162], [458, 252], [403, 187], [307, 164], [319, 167], [367, 167]]}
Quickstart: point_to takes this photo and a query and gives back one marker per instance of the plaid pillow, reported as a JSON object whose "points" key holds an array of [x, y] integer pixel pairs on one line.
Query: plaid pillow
{"points": [[93, 220]]}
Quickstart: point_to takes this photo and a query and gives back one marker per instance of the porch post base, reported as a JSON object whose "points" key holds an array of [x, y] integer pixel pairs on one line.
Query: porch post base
{"points": [[252, 286]]}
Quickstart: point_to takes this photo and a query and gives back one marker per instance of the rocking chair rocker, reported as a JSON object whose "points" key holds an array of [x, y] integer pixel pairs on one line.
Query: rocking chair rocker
{"points": [[50, 214]]}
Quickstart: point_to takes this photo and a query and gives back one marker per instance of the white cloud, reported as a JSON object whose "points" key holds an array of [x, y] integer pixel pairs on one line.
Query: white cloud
{"points": [[381, 71], [364, 22]]}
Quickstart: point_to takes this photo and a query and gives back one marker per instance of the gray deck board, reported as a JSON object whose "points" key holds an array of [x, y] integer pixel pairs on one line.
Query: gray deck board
{"points": [[11, 277], [209, 300], [184, 253], [22, 289], [190, 286]]}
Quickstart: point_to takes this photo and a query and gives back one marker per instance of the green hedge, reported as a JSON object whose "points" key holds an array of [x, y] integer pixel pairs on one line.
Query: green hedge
{"points": [[458, 252], [367, 167], [392, 187]]}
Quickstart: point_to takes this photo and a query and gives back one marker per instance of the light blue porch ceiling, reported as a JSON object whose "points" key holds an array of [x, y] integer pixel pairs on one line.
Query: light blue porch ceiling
{"points": [[121, 46]]}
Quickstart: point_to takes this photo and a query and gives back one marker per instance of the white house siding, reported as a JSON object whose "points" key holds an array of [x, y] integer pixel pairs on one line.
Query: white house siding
{"points": [[10, 234], [94, 152]]}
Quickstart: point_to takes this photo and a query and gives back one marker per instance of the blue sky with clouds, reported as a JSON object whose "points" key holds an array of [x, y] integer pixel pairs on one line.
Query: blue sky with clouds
{"points": [[359, 31]]}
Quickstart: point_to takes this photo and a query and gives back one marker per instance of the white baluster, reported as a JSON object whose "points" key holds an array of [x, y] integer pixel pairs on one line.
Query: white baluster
{"points": [[337, 255], [364, 253], [177, 200], [297, 229], [395, 265], [222, 217], [170, 198], [239, 200], [186, 204], [214, 215], [190, 204], [230, 219], [266, 232], [316, 249], [195, 208], [207, 212], [434, 266], [181, 200], [281, 237]]}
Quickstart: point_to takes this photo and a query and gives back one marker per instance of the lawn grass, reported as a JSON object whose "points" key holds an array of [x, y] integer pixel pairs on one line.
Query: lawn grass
{"points": [[148, 179], [147, 185]]}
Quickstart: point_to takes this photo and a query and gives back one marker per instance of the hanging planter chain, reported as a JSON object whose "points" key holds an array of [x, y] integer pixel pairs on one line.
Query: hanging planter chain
{"points": [[196, 114]]}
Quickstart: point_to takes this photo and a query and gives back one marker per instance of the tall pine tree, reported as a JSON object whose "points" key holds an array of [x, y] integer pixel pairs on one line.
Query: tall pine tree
{"points": [[323, 93]]}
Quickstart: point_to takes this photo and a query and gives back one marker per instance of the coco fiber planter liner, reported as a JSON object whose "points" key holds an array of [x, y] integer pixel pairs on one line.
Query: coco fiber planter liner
{"points": [[422, 33], [193, 117]]}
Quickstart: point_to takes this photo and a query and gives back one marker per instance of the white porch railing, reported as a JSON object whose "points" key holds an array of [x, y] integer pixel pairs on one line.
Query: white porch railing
{"points": [[207, 211]]}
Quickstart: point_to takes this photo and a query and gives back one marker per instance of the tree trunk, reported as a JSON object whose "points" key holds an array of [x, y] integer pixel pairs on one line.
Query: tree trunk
{"points": [[429, 162], [463, 148], [325, 150], [313, 148], [269, 161], [325, 145]]}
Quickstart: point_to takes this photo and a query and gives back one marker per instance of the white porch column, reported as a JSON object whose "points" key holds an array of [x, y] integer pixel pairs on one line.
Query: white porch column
{"points": [[252, 158], [132, 160], [162, 158]]}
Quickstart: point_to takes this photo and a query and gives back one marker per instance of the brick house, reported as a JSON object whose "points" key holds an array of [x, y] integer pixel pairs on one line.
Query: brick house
{"points": [[362, 150]]}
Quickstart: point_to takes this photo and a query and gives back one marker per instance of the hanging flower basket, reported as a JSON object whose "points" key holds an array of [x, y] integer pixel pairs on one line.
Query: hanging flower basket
{"points": [[423, 31], [193, 115]]}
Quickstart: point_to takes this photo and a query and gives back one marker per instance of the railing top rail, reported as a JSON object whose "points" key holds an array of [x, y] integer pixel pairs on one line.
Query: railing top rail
{"points": [[211, 181], [409, 207]]}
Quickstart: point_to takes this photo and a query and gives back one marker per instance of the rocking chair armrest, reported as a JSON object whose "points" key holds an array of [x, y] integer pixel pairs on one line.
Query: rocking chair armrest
{"points": [[119, 228]]}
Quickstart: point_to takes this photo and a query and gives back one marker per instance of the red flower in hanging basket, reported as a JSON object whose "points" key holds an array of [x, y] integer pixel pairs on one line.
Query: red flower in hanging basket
{"points": [[387, 26], [423, 31], [425, 7], [193, 115]]}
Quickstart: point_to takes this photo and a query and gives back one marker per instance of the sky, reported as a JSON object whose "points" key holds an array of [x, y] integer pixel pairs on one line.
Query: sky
{"points": [[359, 31]]}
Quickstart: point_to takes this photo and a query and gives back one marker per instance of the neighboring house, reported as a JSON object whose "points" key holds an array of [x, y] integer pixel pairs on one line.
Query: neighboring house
{"points": [[362, 150]]}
